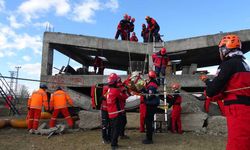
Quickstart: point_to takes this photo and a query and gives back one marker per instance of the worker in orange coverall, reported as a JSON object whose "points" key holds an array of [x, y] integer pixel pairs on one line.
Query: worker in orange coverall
{"points": [[37, 100], [58, 103]]}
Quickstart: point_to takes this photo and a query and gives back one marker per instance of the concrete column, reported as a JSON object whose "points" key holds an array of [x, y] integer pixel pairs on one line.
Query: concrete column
{"points": [[192, 68], [47, 59]]}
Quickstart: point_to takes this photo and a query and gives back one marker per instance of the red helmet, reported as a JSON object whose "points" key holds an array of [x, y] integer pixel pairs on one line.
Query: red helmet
{"points": [[129, 18], [151, 74], [113, 78], [163, 51], [125, 16], [175, 86], [133, 20]]}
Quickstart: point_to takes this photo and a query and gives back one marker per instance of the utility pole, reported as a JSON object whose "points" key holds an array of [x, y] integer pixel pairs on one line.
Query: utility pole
{"points": [[17, 67], [12, 74]]}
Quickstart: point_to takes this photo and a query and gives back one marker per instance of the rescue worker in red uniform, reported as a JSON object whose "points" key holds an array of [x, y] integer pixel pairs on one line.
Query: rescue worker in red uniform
{"points": [[98, 64], [134, 37], [153, 29], [175, 101], [131, 26], [115, 111], [232, 77], [151, 100], [160, 60], [122, 28], [142, 114], [106, 130], [37, 100], [58, 104], [125, 95], [144, 33], [218, 99]]}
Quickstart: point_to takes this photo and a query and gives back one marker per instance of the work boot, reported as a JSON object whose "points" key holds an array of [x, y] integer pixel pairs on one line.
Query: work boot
{"points": [[105, 142], [124, 137], [146, 141], [114, 147]]}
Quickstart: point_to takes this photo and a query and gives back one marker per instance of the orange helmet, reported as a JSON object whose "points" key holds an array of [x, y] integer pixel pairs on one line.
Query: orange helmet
{"points": [[129, 18], [175, 86], [133, 20], [112, 78], [147, 18], [151, 74], [163, 51], [230, 42], [125, 16]]}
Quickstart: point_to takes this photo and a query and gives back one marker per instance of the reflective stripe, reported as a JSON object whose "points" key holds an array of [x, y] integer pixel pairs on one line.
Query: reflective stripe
{"points": [[104, 106], [116, 112], [36, 119], [67, 117], [36, 107], [30, 119], [53, 118]]}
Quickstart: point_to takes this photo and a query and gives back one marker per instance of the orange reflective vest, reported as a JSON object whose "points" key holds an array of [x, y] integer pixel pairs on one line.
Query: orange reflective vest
{"points": [[59, 100], [38, 99]]}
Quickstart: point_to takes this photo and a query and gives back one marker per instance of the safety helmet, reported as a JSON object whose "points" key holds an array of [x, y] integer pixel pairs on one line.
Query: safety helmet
{"points": [[229, 43], [133, 33], [147, 18], [58, 88], [129, 18], [125, 16], [133, 20], [151, 74], [163, 51], [43, 86], [112, 78], [175, 86], [143, 25]]}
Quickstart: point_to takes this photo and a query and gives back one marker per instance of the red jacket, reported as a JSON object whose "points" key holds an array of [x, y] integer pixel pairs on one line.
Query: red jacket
{"points": [[152, 25], [104, 101], [114, 100], [134, 38], [160, 60]]}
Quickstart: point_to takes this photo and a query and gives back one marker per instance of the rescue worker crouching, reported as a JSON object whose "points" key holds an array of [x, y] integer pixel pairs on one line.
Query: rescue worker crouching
{"points": [[175, 100], [58, 103], [231, 79], [115, 111], [152, 101], [37, 100]]}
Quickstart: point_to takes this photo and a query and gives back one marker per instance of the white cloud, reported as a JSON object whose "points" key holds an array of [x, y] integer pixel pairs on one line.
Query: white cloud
{"points": [[46, 25], [35, 8], [86, 10], [10, 40], [31, 69], [26, 58], [2, 5], [14, 23]]}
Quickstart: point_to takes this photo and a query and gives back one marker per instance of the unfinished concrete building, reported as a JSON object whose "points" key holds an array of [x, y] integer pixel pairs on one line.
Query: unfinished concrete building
{"points": [[190, 53]]}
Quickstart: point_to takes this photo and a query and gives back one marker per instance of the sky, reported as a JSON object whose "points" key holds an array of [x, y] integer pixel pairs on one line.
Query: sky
{"points": [[23, 22]]}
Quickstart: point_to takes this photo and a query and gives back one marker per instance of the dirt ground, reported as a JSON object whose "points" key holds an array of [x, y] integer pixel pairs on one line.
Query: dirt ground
{"points": [[13, 139]]}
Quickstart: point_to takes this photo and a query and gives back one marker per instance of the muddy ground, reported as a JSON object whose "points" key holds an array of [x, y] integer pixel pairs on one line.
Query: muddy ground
{"points": [[19, 139]]}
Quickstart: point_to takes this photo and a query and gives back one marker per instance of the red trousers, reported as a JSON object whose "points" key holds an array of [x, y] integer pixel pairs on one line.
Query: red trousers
{"points": [[238, 121], [66, 115], [142, 117], [176, 119], [34, 116]]}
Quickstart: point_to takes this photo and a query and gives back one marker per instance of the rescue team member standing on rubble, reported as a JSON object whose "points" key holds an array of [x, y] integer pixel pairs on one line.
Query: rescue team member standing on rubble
{"points": [[115, 111], [134, 37], [153, 29], [144, 33], [160, 60], [122, 28], [175, 101], [152, 101], [37, 100], [58, 103], [232, 76]]}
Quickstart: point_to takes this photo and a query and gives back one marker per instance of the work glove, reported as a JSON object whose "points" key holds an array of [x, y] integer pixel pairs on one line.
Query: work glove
{"points": [[203, 77]]}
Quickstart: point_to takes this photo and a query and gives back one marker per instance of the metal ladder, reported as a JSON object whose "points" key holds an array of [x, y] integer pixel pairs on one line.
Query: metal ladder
{"points": [[156, 47], [5, 96]]}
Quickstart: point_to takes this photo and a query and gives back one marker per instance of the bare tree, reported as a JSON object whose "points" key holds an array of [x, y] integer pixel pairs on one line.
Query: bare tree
{"points": [[24, 92]]}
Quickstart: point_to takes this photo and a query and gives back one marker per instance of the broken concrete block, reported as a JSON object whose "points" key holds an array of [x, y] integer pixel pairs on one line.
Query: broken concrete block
{"points": [[217, 125], [89, 119], [193, 121]]}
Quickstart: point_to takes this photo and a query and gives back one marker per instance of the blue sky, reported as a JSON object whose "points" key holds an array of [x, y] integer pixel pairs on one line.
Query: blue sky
{"points": [[22, 23]]}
